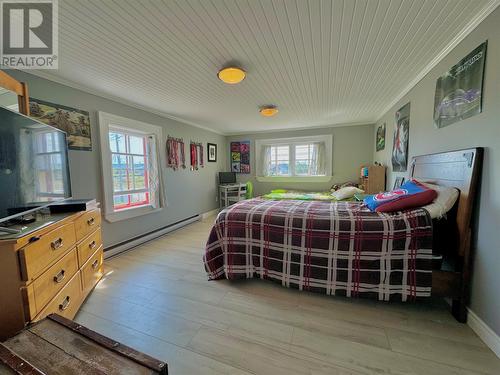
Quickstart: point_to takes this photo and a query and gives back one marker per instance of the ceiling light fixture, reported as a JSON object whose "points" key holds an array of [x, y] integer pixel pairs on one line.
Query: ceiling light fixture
{"points": [[231, 75], [269, 111]]}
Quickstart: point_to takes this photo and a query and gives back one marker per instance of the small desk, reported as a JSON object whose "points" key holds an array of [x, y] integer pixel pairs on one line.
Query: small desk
{"points": [[231, 193]]}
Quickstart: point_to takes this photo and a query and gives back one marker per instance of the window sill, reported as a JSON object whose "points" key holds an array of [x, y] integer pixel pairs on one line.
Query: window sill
{"points": [[130, 213], [294, 179]]}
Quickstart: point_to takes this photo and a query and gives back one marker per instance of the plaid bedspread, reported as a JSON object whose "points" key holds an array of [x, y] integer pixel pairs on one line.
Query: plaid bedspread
{"points": [[337, 248]]}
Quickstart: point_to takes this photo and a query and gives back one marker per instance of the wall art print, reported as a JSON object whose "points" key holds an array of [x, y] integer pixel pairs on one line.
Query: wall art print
{"points": [[212, 152], [401, 138], [75, 122], [240, 157], [459, 92], [380, 137]]}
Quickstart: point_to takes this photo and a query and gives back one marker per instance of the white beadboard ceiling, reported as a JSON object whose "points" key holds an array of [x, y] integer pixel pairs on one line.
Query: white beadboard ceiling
{"points": [[321, 62]]}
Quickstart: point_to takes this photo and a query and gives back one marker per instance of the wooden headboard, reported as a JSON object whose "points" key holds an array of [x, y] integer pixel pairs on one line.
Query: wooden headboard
{"points": [[459, 169]]}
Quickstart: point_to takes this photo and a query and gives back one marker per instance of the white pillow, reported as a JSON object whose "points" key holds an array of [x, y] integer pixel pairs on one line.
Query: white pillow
{"points": [[346, 192], [446, 198]]}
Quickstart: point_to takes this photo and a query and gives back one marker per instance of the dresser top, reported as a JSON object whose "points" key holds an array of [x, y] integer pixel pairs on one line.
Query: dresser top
{"points": [[42, 221]]}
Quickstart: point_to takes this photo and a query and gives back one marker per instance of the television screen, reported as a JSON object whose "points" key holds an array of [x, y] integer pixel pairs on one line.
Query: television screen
{"points": [[227, 178], [33, 164]]}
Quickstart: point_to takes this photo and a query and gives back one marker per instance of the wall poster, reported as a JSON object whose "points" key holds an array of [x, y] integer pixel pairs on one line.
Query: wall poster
{"points": [[459, 92], [401, 137], [380, 137], [240, 157]]}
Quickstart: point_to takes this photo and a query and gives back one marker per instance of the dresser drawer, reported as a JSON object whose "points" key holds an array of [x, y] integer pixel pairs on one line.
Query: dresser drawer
{"points": [[37, 256], [87, 223], [92, 271], [88, 246], [53, 280], [66, 302]]}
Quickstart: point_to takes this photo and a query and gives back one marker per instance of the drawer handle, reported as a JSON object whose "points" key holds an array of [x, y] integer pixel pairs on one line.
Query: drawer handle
{"points": [[95, 264], [56, 244], [60, 276], [65, 304], [91, 221], [34, 239], [92, 245]]}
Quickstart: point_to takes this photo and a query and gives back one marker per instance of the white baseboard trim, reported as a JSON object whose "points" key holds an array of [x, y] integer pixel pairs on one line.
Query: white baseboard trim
{"points": [[213, 212], [485, 333], [128, 245]]}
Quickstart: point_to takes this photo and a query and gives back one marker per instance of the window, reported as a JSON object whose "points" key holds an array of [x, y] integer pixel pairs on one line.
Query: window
{"points": [[279, 161], [49, 177], [129, 164], [130, 160], [301, 159]]}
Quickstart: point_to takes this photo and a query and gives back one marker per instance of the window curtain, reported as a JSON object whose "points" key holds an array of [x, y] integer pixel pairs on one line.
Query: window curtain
{"points": [[318, 167], [156, 187], [266, 160]]}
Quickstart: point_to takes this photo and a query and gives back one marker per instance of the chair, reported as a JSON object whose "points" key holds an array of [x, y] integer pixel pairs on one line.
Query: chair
{"points": [[232, 194], [249, 194]]}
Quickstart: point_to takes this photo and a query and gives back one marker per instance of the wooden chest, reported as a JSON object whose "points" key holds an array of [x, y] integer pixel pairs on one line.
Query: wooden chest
{"points": [[57, 345], [51, 269]]}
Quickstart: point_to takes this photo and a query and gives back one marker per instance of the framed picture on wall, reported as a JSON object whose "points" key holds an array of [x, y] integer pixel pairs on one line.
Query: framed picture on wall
{"points": [[212, 152]]}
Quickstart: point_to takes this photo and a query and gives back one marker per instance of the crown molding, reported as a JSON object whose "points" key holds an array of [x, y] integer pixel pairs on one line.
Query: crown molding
{"points": [[88, 90], [485, 12]]}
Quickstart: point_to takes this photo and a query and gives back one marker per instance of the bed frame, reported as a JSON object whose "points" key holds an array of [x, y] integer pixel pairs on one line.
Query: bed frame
{"points": [[459, 169]]}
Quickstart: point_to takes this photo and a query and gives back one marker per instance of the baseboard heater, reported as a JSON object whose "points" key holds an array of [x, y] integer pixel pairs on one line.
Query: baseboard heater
{"points": [[139, 240]]}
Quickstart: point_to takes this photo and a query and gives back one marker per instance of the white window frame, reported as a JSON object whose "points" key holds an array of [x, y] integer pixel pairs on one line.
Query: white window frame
{"points": [[38, 153], [328, 139], [107, 121]]}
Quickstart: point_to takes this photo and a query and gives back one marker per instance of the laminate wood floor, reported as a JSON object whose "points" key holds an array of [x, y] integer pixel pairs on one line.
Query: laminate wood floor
{"points": [[156, 298]]}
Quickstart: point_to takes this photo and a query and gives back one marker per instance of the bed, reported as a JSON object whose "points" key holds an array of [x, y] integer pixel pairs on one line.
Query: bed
{"points": [[341, 248]]}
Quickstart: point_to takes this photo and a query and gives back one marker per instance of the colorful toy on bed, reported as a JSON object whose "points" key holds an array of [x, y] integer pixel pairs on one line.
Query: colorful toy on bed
{"points": [[409, 195]]}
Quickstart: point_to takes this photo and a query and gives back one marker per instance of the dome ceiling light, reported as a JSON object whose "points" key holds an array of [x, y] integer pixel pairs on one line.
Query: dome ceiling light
{"points": [[269, 111], [231, 75]]}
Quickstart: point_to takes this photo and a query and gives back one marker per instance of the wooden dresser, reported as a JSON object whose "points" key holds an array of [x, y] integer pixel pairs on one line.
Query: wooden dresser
{"points": [[49, 270], [374, 182]]}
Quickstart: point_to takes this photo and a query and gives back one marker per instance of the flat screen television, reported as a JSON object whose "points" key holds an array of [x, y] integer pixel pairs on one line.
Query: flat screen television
{"points": [[227, 178], [34, 169]]}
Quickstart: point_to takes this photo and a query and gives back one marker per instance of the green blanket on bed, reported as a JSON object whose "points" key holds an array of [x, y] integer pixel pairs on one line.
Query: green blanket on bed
{"points": [[299, 195]]}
